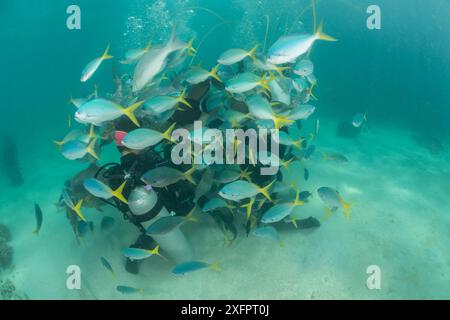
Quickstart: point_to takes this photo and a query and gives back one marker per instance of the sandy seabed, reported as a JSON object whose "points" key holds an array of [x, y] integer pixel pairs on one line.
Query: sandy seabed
{"points": [[399, 222]]}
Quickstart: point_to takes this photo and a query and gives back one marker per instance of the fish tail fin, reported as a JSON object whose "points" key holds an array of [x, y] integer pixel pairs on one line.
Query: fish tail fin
{"points": [[168, 133], [346, 207], [298, 143], [174, 43], [297, 201], [261, 203], [91, 149], [77, 210], [118, 193], [251, 53], [106, 55], [265, 190], [129, 112], [188, 175], [213, 73], [294, 222], [148, 46], [190, 215], [281, 121], [285, 163], [231, 207], [328, 214], [92, 132], [58, 143], [265, 82], [155, 251], [182, 98], [281, 69], [215, 266], [310, 91], [321, 35], [249, 207], [191, 50]]}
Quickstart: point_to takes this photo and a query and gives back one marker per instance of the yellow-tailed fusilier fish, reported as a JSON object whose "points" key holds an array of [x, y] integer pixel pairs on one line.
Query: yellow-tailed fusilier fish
{"points": [[240, 189], [101, 190], [263, 154], [247, 81], [233, 56], [98, 111], [92, 66], [287, 140], [233, 117], [77, 134], [359, 119], [140, 254], [39, 218], [288, 48], [280, 211], [300, 84], [228, 175], [129, 290], [302, 112], [266, 66], [260, 108], [303, 68], [154, 61], [142, 138], [107, 266], [133, 55], [333, 201], [197, 75], [191, 266], [75, 208], [76, 149], [205, 185], [160, 104], [78, 102], [161, 177], [280, 90], [216, 203]]}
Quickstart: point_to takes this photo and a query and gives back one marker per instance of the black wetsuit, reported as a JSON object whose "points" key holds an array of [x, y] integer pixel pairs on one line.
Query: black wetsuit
{"points": [[177, 197]]}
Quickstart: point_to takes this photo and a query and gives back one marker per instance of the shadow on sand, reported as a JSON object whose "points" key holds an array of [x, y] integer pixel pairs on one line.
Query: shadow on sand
{"points": [[9, 161]]}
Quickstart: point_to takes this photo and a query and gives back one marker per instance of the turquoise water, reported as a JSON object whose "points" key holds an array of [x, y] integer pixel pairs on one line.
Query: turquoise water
{"points": [[397, 175]]}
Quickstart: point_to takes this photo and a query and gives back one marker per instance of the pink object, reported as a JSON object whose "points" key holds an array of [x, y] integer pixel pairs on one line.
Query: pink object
{"points": [[118, 137]]}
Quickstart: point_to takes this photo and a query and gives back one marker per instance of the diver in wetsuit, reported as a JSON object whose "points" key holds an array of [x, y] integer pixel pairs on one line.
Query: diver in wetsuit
{"points": [[177, 197]]}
